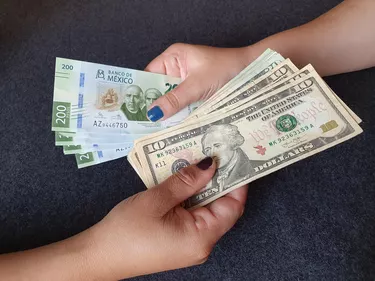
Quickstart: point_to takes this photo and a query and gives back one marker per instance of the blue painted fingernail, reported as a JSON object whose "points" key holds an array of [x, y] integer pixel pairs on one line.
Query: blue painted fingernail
{"points": [[155, 113]]}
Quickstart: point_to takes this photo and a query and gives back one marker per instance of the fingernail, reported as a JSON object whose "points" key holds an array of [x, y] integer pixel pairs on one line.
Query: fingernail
{"points": [[205, 163], [155, 113]]}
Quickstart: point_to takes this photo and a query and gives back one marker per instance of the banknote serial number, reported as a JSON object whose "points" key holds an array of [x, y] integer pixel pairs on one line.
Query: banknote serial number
{"points": [[101, 124], [291, 135], [176, 149]]}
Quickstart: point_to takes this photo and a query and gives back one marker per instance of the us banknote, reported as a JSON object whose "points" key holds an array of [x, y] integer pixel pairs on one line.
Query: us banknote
{"points": [[266, 62], [256, 91], [133, 160], [288, 124], [285, 69], [240, 76]]}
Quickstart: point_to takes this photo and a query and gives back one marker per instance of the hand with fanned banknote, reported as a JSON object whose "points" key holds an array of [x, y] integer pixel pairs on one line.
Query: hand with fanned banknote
{"points": [[269, 116]]}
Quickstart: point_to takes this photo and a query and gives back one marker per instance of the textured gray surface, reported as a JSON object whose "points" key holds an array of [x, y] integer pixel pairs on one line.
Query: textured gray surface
{"points": [[314, 220]]}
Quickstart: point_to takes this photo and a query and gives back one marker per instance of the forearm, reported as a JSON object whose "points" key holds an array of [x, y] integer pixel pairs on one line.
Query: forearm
{"points": [[342, 40], [71, 259]]}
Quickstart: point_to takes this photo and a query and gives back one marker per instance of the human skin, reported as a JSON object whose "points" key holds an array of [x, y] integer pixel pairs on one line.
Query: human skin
{"points": [[149, 232], [342, 40]]}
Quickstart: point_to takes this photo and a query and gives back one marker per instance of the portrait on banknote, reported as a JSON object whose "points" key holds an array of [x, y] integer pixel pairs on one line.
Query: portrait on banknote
{"points": [[134, 104], [151, 95], [223, 142]]}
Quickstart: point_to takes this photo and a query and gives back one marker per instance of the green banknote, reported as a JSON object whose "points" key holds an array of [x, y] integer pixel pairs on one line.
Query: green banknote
{"points": [[83, 148], [65, 139], [97, 157], [96, 98]]}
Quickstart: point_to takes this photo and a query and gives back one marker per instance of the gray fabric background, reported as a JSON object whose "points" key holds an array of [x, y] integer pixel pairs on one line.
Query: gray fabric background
{"points": [[314, 220]]}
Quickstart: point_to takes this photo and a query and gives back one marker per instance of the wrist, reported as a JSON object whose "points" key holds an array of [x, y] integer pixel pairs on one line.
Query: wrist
{"points": [[294, 43], [75, 258], [89, 255], [82, 256], [105, 252]]}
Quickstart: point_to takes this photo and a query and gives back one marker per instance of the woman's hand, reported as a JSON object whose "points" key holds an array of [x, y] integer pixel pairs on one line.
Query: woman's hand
{"points": [[203, 69], [150, 232], [146, 233]]}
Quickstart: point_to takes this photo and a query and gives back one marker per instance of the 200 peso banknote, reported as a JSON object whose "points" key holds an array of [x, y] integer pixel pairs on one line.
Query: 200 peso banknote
{"points": [[97, 98]]}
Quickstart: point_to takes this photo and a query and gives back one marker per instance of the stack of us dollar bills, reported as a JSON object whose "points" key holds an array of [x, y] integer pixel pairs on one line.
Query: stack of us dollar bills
{"points": [[269, 116]]}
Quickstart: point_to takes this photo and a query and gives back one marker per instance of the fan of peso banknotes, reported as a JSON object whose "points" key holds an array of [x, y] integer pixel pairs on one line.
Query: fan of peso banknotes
{"points": [[269, 116]]}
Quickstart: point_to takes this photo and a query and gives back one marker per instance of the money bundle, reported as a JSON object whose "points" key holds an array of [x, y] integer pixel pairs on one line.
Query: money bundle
{"points": [[270, 115], [99, 110]]}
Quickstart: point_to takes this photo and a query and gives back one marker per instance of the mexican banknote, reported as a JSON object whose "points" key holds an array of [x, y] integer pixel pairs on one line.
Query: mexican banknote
{"points": [[96, 98], [97, 157], [96, 106], [65, 139]]}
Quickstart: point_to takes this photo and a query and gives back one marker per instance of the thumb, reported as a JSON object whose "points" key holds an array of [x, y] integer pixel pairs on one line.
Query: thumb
{"points": [[189, 91], [182, 185]]}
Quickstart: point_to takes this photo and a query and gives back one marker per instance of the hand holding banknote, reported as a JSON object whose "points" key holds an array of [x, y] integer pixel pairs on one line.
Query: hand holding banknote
{"points": [[146, 233], [151, 232], [203, 69]]}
